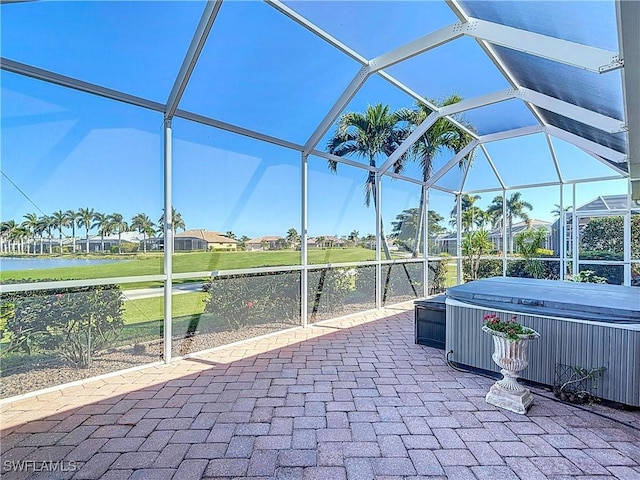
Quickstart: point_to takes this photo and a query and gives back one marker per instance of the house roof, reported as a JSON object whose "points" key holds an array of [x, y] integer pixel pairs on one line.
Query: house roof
{"points": [[267, 238], [327, 238], [131, 237], [209, 237]]}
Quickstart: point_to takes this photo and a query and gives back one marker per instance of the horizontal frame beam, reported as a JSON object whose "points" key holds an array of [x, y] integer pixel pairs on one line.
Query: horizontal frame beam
{"points": [[64, 81]]}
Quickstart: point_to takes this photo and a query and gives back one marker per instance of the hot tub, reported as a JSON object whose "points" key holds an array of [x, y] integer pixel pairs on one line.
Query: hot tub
{"points": [[582, 325]]}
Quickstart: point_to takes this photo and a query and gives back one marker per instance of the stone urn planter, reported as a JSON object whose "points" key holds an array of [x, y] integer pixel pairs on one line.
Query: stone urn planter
{"points": [[510, 354]]}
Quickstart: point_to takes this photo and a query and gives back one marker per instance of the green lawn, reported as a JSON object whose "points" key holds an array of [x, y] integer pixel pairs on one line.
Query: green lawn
{"points": [[152, 309], [152, 264], [451, 277]]}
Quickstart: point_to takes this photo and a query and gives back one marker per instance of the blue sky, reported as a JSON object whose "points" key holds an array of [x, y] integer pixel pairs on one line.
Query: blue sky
{"points": [[68, 150]]}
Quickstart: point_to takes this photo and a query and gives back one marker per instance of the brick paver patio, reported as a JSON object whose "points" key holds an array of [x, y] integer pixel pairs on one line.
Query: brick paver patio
{"points": [[350, 399]]}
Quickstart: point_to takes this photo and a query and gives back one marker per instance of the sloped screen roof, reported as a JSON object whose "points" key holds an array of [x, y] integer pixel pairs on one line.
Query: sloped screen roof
{"points": [[285, 72]]}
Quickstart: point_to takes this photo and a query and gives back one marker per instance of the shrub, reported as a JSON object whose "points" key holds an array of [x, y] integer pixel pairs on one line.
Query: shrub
{"points": [[238, 301], [437, 276], [75, 322], [603, 234], [474, 245], [587, 276], [528, 243], [485, 268]]}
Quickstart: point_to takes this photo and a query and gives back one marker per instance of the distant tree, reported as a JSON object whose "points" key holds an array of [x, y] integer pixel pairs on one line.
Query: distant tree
{"points": [[230, 234], [264, 245], [102, 222], [7, 230], [435, 223], [143, 224], [32, 225], [120, 225], [471, 215], [281, 243], [515, 209], [556, 211], [59, 221], [368, 239], [353, 237], [85, 217], [178, 222], [242, 242], [71, 217], [404, 228], [46, 226], [17, 237], [292, 236], [320, 241]]}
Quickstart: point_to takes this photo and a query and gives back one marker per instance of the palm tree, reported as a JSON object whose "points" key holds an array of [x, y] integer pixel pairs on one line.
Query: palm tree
{"points": [[242, 243], [515, 209], [4, 233], [17, 236], [557, 210], [471, 215], [442, 135], [372, 134], [7, 231], [85, 217], [353, 237], [178, 222], [59, 221], [102, 223], [72, 217], [230, 234], [117, 221], [32, 225], [46, 225], [292, 236], [143, 224]]}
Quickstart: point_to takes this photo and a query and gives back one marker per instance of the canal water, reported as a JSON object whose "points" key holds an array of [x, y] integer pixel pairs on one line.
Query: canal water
{"points": [[12, 263]]}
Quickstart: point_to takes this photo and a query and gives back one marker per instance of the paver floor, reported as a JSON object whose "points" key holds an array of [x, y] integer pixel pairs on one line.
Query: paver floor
{"points": [[349, 399]]}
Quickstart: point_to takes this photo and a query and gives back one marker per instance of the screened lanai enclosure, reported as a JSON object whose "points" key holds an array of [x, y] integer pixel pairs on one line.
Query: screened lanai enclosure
{"points": [[178, 176]]}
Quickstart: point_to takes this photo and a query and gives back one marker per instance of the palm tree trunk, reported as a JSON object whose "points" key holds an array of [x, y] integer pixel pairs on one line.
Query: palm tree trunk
{"points": [[87, 239], [416, 241], [383, 237], [510, 235], [385, 246]]}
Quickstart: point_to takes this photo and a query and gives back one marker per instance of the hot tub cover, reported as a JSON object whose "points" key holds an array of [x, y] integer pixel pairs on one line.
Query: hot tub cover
{"points": [[585, 301]]}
